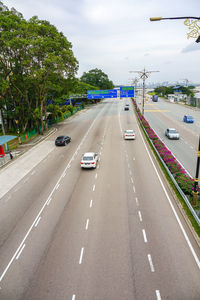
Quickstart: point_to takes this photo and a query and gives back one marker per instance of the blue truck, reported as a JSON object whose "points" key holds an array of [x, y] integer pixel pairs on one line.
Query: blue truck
{"points": [[155, 98]]}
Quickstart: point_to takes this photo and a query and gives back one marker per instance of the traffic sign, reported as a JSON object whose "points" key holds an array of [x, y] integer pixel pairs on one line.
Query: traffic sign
{"points": [[99, 94], [126, 91]]}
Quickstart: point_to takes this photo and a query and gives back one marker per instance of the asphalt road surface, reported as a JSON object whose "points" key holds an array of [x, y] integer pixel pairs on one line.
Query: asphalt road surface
{"points": [[114, 232], [162, 115]]}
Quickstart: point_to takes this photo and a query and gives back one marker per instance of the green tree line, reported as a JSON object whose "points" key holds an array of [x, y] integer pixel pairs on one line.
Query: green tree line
{"points": [[166, 90], [36, 63]]}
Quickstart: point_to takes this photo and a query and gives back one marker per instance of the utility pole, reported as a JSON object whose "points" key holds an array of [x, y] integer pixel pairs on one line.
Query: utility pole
{"points": [[143, 75]]}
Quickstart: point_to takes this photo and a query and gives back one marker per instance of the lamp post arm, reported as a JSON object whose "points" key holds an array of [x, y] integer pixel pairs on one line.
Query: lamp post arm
{"points": [[173, 18]]}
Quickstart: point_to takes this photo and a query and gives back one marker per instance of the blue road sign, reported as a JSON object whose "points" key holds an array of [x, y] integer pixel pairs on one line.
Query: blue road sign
{"points": [[126, 91], [99, 94]]}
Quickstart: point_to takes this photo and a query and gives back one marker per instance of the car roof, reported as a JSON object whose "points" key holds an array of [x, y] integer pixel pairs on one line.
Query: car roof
{"points": [[188, 116], [129, 130], [88, 153], [171, 128]]}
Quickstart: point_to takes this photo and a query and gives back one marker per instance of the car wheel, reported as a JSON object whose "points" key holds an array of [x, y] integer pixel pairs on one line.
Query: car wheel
{"points": [[65, 143]]}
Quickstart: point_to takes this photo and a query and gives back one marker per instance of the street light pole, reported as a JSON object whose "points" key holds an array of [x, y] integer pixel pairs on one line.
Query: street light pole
{"points": [[143, 75], [196, 34], [173, 18], [192, 26]]}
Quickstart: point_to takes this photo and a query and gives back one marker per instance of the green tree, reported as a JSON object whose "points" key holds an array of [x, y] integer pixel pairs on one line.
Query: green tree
{"points": [[97, 78], [40, 60], [82, 88]]}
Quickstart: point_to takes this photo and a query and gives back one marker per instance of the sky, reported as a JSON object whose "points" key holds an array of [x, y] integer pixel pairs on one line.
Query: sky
{"points": [[117, 36]]}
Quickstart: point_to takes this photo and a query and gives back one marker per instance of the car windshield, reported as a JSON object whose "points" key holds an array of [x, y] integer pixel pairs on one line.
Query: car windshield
{"points": [[129, 131], [172, 131], [60, 137], [87, 157]]}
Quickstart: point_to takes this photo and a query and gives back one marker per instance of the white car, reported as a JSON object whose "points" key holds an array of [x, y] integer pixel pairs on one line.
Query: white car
{"points": [[129, 134], [89, 160]]}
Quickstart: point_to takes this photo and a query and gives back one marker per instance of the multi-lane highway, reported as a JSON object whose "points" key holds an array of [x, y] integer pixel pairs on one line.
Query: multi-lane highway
{"points": [[162, 115], [114, 232]]}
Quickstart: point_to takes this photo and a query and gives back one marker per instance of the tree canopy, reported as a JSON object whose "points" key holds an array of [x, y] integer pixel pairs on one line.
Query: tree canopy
{"points": [[166, 90], [36, 60], [97, 78]]}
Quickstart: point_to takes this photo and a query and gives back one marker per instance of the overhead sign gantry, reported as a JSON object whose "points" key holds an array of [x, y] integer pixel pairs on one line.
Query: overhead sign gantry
{"points": [[126, 91], [99, 94]]}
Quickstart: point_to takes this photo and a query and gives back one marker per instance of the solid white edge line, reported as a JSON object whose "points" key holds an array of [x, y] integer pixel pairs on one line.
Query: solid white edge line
{"points": [[172, 207], [144, 235], [20, 252], [151, 263], [158, 295], [81, 256], [38, 220]]}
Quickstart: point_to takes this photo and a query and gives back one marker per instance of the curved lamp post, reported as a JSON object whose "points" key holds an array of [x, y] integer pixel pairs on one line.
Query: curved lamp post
{"points": [[194, 34], [193, 25]]}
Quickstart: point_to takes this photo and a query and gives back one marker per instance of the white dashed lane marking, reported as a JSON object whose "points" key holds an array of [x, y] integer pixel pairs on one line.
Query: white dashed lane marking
{"points": [[144, 235], [38, 220], [140, 216], [87, 224], [81, 256], [158, 295], [151, 263], [20, 252], [49, 201]]}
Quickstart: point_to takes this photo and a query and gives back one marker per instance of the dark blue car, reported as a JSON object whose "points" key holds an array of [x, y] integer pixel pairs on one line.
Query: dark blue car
{"points": [[188, 119]]}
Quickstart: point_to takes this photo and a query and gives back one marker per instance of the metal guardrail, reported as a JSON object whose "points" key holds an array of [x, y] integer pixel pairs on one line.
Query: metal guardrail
{"points": [[173, 179]]}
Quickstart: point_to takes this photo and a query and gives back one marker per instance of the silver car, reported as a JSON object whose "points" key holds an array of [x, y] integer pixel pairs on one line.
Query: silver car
{"points": [[172, 134]]}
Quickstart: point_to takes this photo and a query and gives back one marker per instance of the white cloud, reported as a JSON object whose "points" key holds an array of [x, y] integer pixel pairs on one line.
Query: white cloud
{"points": [[117, 36]]}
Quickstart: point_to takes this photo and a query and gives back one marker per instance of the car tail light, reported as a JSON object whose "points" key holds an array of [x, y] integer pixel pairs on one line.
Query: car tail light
{"points": [[82, 163], [92, 163]]}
